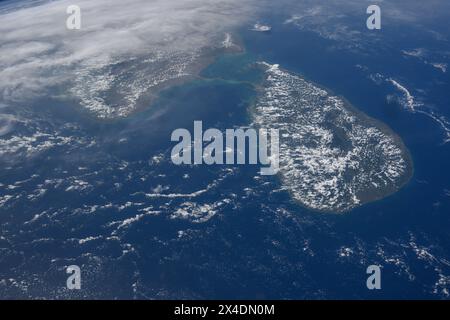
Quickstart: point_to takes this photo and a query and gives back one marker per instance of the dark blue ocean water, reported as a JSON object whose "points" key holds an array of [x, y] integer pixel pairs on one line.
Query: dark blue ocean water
{"points": [[260, 244], [254, 250], [391, 232], [422, 208]]}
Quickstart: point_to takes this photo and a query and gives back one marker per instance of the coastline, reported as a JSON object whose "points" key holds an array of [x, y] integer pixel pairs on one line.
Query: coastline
{"points": [[211, 56], [369, 121]]}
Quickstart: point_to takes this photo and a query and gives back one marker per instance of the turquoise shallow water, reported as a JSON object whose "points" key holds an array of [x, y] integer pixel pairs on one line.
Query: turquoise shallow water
{"points": [[419, 212], [296, 253], [259, 243]]}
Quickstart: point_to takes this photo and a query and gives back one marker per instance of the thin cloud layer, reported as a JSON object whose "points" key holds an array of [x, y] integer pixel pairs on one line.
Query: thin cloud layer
{"points": [[38, 52]]}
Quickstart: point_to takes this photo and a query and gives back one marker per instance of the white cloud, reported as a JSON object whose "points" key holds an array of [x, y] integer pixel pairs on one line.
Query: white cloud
{"points": [[38, 52]]}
